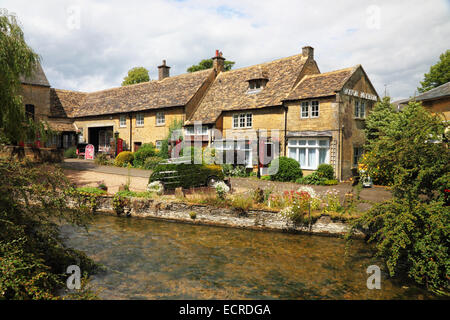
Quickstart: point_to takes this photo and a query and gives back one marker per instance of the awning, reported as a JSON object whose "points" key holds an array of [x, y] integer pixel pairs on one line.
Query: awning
{"points": [[304, 134], [61, 126]]}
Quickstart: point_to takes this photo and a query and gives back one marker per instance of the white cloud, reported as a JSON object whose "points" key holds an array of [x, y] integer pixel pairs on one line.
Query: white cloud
{"points": [[116, 35]]}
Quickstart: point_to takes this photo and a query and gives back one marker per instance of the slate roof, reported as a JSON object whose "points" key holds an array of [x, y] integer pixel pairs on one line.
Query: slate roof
{"points": [[168, 92], [321, 85], [230, 89], [37, 77], [435, 93]]}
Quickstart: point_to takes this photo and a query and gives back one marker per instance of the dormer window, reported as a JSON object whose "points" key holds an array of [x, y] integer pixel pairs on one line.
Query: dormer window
{"points": [[256, 85]]}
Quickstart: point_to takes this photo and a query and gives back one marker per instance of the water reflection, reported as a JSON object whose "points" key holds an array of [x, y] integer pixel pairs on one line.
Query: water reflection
{"points": [[149, 259]]}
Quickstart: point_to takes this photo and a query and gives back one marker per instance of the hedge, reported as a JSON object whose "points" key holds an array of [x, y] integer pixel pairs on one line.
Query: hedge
{"points": [[185, 175]]}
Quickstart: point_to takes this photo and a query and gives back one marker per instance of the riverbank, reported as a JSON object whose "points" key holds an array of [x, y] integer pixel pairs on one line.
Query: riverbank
{"points": [[266, 220]]}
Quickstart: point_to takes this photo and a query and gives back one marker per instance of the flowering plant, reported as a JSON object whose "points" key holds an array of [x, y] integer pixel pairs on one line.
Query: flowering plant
{"points": [[221, 189], [156, 186]]}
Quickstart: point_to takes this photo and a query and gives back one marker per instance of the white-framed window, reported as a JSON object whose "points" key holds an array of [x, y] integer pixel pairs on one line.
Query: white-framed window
{"points": [[309, 109], [360, 109], [139, 119], [123, 121], [199, 130], [256, 85], [242, 120], [309, 152], [160, 118], [158, 144], [305, 109], [314, 109]]}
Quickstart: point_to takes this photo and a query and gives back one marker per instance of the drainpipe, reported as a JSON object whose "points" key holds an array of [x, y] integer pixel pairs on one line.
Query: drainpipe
{"points": [[285, 128], [131, 128]]}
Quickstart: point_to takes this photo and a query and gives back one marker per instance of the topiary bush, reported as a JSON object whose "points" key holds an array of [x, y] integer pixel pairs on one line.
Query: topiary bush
{"points": [[145, 151], [288, 169], [325, 171], [123, 158]]}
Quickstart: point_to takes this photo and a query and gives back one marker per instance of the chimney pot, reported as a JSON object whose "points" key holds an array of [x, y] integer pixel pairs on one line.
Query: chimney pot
{"points": [[218, 62], [163, 71], [308, 52]]}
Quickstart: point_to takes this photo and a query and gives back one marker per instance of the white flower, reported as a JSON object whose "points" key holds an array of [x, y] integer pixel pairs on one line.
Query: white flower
{"points": [[308, 190], [155, 186], [221, 188]]}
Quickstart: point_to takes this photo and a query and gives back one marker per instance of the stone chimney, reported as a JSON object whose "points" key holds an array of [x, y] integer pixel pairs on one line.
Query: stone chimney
{"points": [[163, 71], [308, 52], [218, 62]]}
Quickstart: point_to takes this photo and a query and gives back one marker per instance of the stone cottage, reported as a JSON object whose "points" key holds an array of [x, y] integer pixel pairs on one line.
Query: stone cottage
{"points": [[283, 107]]}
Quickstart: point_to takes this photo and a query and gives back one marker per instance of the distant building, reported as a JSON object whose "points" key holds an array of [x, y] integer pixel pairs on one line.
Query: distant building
{"points": [[436, 100]]}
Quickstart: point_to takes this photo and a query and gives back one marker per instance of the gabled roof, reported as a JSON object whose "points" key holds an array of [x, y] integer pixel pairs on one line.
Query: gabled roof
{"points": [[37, 77], [65, 103], [321, 85], [230, 89], [435, 93], [169, 92]]}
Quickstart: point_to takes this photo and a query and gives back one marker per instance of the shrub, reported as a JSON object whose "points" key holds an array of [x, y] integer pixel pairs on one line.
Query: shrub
{"points": [[227, 168], [296, 213], [325, 171], [101, 159], [145, 151], [156, 186], [242, 204], [70, 153], [151, 162], [193, 215], [239, 171], [413, 238], [313, 179], [185, 175], [221, 189], [124, 158], [93, 190], [288, 169], [330, 182], [258, 195]]}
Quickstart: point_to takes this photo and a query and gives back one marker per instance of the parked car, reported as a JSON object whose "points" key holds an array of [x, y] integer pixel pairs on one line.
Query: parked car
{"points": [[187, 175], [81, 149]]}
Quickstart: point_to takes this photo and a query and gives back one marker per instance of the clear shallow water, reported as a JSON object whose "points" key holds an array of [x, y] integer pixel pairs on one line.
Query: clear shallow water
{"points": [[148, 259]]}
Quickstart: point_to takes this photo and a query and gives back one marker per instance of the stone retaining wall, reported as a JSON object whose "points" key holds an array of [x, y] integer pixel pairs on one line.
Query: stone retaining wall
{"points": [[33, 153], [227, 217]]}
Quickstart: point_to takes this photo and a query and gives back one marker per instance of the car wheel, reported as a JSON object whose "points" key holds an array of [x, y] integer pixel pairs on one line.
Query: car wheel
{"points": [[211, 180]]}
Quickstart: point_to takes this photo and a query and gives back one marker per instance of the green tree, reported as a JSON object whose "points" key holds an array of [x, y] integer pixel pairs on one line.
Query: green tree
{"points": [[438, 75], [136, 75], [208, 64], [33, 197], [174, 128], [16, 59], [412, 230]]}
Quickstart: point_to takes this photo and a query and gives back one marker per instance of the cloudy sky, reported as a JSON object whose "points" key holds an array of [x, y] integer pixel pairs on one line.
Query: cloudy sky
{"points": [[90, 45]]}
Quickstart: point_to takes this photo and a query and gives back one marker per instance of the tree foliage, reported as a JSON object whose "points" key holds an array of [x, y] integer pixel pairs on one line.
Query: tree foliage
{"points": [[16, 59], [33, 257], [136, 75], [438, 74], [412, 230], [208, 64]]}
